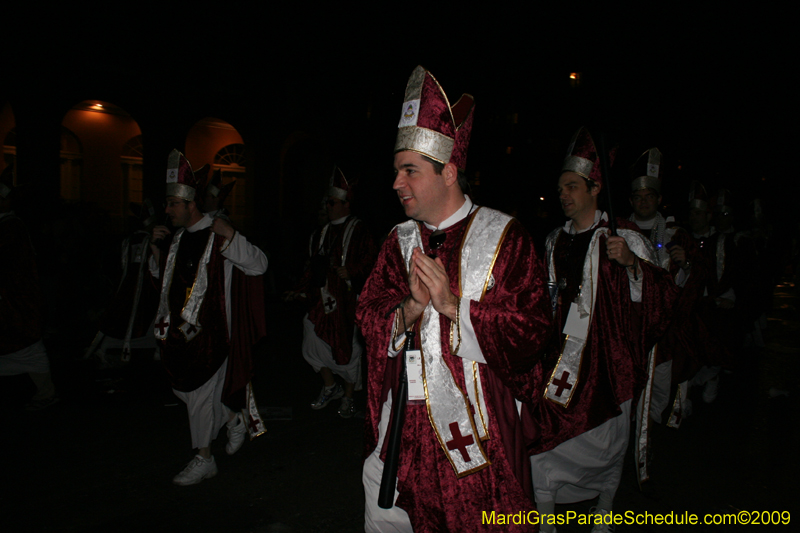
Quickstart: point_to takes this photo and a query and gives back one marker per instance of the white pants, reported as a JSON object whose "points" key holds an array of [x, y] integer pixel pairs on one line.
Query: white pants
{"points": [[377, 520], [207, 413], [584, 466], [30, 359], [319, 355]]}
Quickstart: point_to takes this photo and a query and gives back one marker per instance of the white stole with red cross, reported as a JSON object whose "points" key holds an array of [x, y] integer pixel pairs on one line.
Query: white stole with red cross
{"points": [[191, 308], [460, 421], [564, 379]]}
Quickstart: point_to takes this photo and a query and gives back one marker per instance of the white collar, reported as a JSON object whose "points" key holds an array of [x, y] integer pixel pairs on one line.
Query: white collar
{"points": [[203, 223], [339, 221], [456, 217], [645, 224], [598, 216]]}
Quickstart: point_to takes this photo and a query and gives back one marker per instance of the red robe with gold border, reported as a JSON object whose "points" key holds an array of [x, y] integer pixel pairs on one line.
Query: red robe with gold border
{"points": [[687, 341], [614, 362], [512, 324]]}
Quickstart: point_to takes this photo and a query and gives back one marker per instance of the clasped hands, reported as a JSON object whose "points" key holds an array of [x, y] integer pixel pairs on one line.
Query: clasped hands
{"points": [[428, 282]]}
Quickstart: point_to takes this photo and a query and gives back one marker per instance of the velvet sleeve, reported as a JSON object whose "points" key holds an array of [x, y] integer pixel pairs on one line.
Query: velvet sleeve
{"points": [[513, 319], [386, 285]]}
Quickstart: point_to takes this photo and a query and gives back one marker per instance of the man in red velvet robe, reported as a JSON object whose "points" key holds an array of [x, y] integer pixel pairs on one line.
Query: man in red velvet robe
{"points": [[467, 281], [613, 302], [341, 256], [681, 351], [205, 321], [720, 307]]}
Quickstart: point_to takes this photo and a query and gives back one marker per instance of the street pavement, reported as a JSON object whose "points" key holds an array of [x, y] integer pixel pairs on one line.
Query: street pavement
{"points": [[102, 460]]}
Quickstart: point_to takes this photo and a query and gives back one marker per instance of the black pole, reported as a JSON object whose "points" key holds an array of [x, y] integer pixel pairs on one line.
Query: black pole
{"points": [[389, 477], [605, 169]]}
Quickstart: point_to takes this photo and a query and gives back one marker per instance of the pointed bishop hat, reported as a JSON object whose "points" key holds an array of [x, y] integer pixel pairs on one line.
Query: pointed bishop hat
{"points": [[430, 126], [646, 172]]}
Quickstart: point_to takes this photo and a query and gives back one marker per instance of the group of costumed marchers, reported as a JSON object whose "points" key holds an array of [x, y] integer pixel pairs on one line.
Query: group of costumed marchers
{"points": [[462, 448], [731, 277], [687, 344], [211, 308], [610, 321]]}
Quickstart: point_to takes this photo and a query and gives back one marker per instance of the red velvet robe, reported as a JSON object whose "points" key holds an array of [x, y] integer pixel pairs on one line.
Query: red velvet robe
{"points": [[512, 324], [614, 363], [21, 300], [687, 341], [336, 328]]}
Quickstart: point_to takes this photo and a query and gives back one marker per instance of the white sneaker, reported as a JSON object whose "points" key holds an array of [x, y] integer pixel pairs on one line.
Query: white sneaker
{"points": [[600, 527], [326, 396], [196, 471], [236, 433]]}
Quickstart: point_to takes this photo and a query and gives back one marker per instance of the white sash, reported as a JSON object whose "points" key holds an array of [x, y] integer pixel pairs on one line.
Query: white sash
{"points": [[564, 378], [721, 255], [679, 406], [325, 294], [191, 309], [448, 408]]}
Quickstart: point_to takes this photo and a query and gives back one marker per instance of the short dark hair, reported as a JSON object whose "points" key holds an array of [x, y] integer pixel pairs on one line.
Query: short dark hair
{"points": [[439, 167]]}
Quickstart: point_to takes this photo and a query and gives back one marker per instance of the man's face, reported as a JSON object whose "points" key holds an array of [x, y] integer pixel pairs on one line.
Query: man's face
{"points": [[336, 208], [577, 200], [421, 191], [698, 220], [178, 211], [645, 203]]}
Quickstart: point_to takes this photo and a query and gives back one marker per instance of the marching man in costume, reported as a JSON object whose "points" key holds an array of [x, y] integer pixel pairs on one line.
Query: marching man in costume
{"points": [[683, 343], [342, 254], [718, 305], [465, 280], [210, 314], [611, 302]]}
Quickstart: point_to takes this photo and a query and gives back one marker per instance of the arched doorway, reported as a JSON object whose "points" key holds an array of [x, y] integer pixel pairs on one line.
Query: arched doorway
{"points": [[214, 142], [101, 159]]}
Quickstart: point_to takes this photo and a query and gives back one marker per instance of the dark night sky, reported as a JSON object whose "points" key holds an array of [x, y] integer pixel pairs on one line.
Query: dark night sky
{"points": [[713, 89]]}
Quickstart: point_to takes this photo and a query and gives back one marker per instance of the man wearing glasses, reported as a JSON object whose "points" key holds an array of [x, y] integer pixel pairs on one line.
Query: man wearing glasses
{"points": [[467, 282]]}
